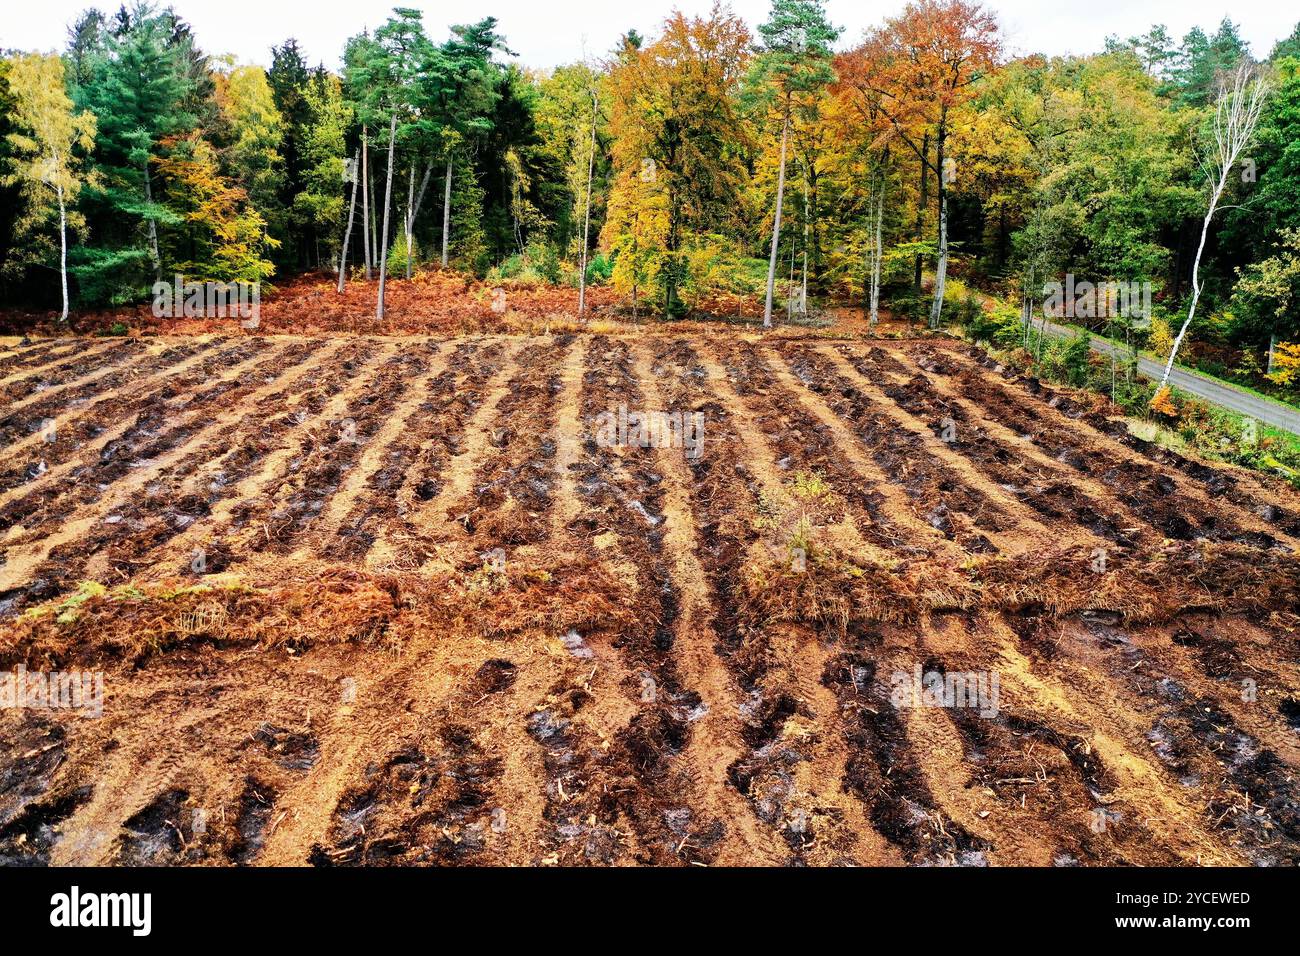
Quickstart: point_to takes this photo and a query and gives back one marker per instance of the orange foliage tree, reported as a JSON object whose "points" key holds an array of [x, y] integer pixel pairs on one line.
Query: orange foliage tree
{"points": [[920, 67]]}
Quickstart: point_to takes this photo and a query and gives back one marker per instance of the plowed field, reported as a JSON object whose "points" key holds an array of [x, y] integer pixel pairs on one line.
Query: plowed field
{"points": [[395, 600]]}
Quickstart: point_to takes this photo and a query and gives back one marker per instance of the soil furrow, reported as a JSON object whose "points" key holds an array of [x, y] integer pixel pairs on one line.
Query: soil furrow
{"points": [[15, 384], [1269, 499], [937, 493], [69, 441], [997, 470], [342, 529], [1150, 495], [150, 457]]}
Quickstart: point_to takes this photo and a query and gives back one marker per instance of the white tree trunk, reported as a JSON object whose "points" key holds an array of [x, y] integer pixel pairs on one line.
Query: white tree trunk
{"points": [[410, 220], [63, 253], [154, 256], [1236, 113], [941, 270], [789, 289], [879, 255], [1196, 283], [419, 193], [347, 233], [446, 212], [388, 204], [586, 219], [803, 292], [365, 200], [776, 224]]}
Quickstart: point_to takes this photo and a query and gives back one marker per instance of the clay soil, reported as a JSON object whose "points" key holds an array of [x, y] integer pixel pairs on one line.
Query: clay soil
{"points": [[385, 599]]}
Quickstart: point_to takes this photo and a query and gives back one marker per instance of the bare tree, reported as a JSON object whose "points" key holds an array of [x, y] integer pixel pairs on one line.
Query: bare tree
{"points": [[586, 216], [366, 229], [353, 172], [1236, 114], [388, 204]]}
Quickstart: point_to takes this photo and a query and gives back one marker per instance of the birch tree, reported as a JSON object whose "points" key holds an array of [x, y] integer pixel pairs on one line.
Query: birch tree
{"points": [[48, 150], [380, 72], [351, 171], [1236, 114], [794, 61], [923, 65], [586, 203]]}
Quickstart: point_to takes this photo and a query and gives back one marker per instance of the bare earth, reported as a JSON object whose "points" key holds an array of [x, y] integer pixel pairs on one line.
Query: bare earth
{"points": [[366, 600]]}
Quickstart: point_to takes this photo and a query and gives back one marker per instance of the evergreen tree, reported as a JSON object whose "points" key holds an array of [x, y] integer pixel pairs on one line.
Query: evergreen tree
{"points": [[139, 83], [288, 78]]}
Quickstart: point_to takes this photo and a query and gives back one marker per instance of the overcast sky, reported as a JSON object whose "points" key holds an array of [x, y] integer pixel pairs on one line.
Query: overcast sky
{"points": [[549, 32]]}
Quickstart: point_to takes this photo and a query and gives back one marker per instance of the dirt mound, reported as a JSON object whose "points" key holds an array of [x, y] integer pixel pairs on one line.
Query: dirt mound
{"points": [[309, 605]]}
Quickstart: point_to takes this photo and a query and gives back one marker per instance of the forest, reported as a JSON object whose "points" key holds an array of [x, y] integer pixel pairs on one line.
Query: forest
{"points": [[703, 170], [751, 444]]}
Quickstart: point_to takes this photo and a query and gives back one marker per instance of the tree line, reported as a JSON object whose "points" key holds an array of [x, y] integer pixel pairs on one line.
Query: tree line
{"points": [[706, 167]]}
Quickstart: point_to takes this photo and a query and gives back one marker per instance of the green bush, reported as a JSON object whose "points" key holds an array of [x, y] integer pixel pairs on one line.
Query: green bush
{"points": [[600, 268], [397, 255], [1005, 325], [539, 263], [1068, 360], [960, 305], [905, 304]]}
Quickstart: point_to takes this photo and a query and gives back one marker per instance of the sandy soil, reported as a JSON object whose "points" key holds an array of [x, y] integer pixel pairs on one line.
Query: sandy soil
{"points": [[392, 599]]}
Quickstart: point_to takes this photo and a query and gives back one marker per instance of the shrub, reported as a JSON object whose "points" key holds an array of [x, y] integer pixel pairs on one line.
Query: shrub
{"points": [[600, 268], [538, 264], [397, 255]]}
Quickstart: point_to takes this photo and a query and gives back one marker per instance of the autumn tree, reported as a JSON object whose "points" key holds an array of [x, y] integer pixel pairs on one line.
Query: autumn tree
{"points": [[676, 139], [923, 64], [863, 154], [219, 236], [793, 62], [252, 136], [48, 150]]}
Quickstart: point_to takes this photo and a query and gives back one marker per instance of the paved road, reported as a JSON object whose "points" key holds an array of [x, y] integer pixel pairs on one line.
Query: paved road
{"points": [[1203, 386]]}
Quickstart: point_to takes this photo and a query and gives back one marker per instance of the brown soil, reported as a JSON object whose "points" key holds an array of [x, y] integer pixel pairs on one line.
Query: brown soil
{"points": [[391, 599]]}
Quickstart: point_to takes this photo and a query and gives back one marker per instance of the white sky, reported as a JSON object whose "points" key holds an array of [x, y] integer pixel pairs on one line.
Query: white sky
{"points": [[549, 32]]}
